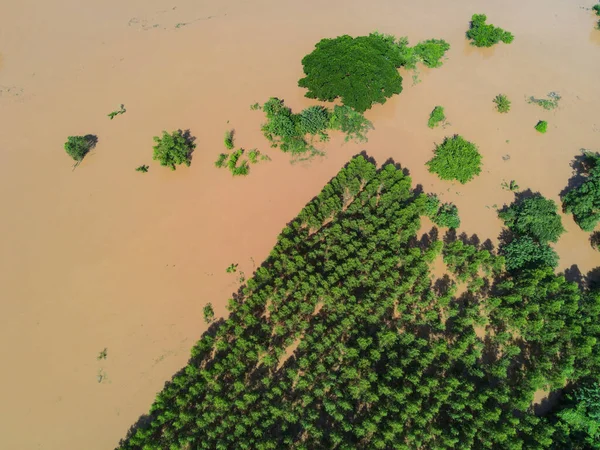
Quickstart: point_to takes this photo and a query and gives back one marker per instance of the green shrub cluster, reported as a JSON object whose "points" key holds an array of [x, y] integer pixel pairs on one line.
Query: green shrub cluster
{"points": [[143, 168], [208, 313], [542, 126], [549, 103], [236, 165], [173, 149], [79, 146], [485, 35], [340, 340], [456, 159], [502, 103], [584, 201], [363, 70], [228, 140], [436, 116], [289, 131]]}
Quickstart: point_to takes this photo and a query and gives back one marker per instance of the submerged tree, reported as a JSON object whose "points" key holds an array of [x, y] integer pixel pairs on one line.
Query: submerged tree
{"points": [[174, 149]]}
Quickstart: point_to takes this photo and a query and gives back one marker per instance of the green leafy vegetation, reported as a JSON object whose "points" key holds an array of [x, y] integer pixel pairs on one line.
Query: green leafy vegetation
{"points": [[512, 186], [443, 215], [228, 140], [502, 103], [232, 268], [583, 201], [431, 52], [289, 131], [143, 168], [77, 147], [596, 9], [222, 160], [235, 167], [549, 103], [363, 70], [103, 354], [456, 159], [485, 35], [436, 116], [535, 216], [174, 149], [542, 126], [341, 339], [208, 313], [117, 112]]}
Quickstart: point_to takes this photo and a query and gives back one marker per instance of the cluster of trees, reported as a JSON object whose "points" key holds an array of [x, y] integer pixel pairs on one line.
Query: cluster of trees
{"points": [[173, 149], [436, 116], [289, 131], [486, 35], [363, 70], [342, 340]]}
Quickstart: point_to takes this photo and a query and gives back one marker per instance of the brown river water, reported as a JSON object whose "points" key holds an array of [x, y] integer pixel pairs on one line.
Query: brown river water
{"points": [[104, 257]]}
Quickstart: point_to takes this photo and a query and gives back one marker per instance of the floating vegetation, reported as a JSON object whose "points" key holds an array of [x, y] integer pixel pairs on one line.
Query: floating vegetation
{"points": [[103, 354], [143, 168], [117, 112], [547, 103], [512, 186], [232, 268], [228, 140], [485, 35]]}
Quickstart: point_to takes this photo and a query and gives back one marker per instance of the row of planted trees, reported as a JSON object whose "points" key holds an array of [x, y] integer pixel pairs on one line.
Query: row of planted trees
{"points": [[342, 340]]}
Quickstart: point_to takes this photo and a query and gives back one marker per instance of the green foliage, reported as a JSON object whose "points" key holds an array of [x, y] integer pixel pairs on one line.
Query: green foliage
{"points": [[431, 206], [456, 159], [232, 268], [502, 103], [547, 103], [314, 120], [255, 106], [581, 416], [103, 354], [222, 160], [236, 169], [253, 156], [595, 240], [361, 71], [143, 168], [208, 312], [228, 140], [596, 9], [447, 216], [436, 116], [173, 149], [350, 122], [288, 130], [79, 146], [525, 252], [119, 111], [584, 201], [512, 186], [485, 35], [340, 340], [535, 216], [431, 51], [542, 126]]}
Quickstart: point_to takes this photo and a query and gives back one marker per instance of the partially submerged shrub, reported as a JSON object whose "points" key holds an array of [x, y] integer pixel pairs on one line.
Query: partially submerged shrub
{"points": [[525, 252], [502, 103], [584, 201], [350, 122], [253, 156], [209, 313], [143, 168], [547, 103], [436, 116], [222, 160], [174, 149], [79, 146], [288, 131], [534, 216], [235, 169], [117, 112], [542, 126], [431, 52], [596, 9], [228, 140], [456, 159], [485, 35]]}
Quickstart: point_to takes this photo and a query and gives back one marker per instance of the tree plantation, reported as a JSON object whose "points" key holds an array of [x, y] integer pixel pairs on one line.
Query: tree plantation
{"points": [[343, 338]]}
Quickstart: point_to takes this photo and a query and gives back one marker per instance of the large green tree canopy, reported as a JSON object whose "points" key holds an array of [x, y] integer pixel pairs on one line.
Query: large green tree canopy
{"points": [[361, 70]]}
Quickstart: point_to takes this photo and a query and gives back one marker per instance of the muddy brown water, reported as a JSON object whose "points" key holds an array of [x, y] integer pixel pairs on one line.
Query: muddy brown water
{"points": [[103, 256]]}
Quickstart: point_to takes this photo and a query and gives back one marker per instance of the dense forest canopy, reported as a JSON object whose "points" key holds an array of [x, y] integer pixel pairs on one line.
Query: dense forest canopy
{"points": [[343, 339]]}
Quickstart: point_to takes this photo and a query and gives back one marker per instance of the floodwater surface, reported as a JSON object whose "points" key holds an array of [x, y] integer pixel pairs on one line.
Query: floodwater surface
{"points": [[106, 257]]}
